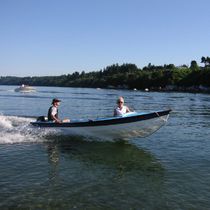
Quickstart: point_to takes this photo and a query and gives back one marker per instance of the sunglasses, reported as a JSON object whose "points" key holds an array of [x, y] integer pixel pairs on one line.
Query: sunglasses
{"points": [[120, 102]]}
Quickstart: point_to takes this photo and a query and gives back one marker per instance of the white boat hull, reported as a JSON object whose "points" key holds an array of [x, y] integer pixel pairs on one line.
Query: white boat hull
{"points": [[120, 130]]}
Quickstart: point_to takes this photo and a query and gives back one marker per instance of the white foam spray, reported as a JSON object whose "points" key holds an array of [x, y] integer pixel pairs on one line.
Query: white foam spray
{"points": [[15, 129]]}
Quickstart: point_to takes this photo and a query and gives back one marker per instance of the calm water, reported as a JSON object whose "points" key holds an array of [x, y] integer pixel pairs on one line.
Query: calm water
{"points": [[168, 170]]}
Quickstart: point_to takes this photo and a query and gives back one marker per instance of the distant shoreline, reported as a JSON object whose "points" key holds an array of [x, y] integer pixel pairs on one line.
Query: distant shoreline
{"points": [[194, 79], [166, 89]]}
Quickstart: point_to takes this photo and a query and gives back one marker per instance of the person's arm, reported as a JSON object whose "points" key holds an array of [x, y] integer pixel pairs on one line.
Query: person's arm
{"points": [[115, 113], [56, 119], [53, 115], [127, 109]]}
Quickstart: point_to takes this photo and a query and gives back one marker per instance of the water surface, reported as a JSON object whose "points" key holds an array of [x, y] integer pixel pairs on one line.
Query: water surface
{"points": [[42, 170]]}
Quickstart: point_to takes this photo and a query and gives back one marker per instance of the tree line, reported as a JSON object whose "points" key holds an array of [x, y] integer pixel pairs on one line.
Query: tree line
{"points": [[127, 76]]}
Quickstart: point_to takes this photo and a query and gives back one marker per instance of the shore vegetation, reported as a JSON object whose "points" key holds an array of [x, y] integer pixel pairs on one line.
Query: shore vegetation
{"points": [[128, 76]]}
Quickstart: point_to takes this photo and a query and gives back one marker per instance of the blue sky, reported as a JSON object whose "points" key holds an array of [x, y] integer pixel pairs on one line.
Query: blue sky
{"points": [[55, 37]]}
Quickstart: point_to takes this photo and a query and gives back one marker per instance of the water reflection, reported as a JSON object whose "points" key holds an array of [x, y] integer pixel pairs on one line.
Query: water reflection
{"points": [[120, 156], [53, 159], [102, 174]]}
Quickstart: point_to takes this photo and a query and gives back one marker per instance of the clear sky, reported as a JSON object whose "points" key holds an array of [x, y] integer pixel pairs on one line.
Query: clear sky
{"points": [[55, 37]]}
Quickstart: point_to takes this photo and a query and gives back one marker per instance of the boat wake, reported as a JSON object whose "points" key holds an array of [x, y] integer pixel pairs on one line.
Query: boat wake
{"points": [[16, 129]]}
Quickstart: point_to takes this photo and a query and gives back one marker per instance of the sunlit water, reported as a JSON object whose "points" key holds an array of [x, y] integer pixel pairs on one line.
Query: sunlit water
{"points": [[40, 169]]}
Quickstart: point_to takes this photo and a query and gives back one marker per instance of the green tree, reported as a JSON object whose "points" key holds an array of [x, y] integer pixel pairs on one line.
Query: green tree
{"points": [[194, 66], [206, 61]]}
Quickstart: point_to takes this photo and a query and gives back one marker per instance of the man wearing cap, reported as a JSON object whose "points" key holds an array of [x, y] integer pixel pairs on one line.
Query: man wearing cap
{"points": [[53, 111]]}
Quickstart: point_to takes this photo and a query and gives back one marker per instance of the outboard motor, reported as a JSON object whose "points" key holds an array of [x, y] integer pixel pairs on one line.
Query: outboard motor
{"points": [[42, 119]]}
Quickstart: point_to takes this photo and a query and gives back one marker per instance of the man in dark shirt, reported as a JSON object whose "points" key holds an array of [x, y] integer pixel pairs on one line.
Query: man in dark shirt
{"points": [[53, 111]]}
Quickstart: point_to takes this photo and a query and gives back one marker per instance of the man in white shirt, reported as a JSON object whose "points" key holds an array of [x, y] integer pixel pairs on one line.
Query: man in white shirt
{"points": [[121, 109]]}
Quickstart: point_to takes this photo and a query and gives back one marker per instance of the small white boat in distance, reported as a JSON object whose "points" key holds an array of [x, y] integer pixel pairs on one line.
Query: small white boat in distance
{"points": [[25, 89]]}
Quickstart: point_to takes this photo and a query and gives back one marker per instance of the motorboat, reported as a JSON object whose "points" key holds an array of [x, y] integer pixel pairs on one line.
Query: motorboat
{"points": [[125, 127], [25, 89]]}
